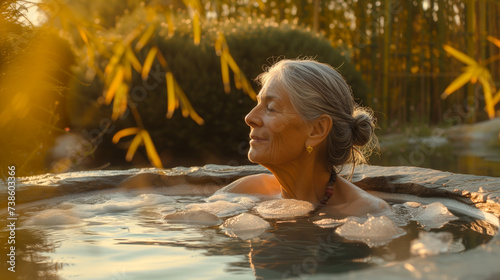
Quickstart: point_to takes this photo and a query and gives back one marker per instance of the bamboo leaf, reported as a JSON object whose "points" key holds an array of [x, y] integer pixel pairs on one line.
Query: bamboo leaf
{"points": [[148, 62], [496, 99], [185, 101], [123, 133], [118, 51], [225, 72], [494, 41], [83, 35], [261, 5], [459, 55], [196, 28], [117, 80], [133, 59], [133, 147], [120, 102], [161, 59], [458, 82], [148, 34], [170, 95], [170, 23], [151, 150], [490, 108]]}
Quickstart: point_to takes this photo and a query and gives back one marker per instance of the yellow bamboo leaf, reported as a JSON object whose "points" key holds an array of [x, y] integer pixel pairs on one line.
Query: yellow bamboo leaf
{"points": [[457, 83], [161, 59], [459, 55], [261, 5], [123, 133], [117, 80], [127, 70], [496, 99], [248, 88], [170, 95], [196, 28], [148, 62], [187, 105], [118, 51], [83, 35], [151, 150], [170, 23], [225, 72], [238, 80], [231, 62], [148, 34], [133, 147], [120, 102], [132, 35], [91, 56], [133, 59], [494, 41], [490, 108]]}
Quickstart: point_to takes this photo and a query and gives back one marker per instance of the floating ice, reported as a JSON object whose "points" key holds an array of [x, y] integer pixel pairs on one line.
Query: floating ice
{"points": [[284, 208], [247, 201], [331, 223], [434, 215], [220, 208], [193, 216], [433, 243], [376, 231], [245, 226], [54, 217]]}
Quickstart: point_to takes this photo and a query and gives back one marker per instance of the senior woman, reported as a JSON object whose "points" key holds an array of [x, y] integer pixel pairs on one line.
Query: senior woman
{"points": [[305, 126]]}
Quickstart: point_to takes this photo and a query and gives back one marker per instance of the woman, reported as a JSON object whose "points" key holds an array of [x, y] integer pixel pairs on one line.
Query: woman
{"points": [[305, 126]]}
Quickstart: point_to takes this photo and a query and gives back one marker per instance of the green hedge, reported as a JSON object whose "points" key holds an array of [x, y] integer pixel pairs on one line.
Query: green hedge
{"points": [[197, 69]]}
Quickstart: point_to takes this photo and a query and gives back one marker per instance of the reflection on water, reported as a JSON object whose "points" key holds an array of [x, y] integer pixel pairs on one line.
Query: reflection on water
{"points": [[438, 153], [136, 243]]}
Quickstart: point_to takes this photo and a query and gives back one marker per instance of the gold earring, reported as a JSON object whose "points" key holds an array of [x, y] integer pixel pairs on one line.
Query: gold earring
{"points": [[309, 149]]}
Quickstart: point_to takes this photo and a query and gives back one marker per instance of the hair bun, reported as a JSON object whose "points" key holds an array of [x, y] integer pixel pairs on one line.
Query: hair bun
{"points": [[362, 127]]}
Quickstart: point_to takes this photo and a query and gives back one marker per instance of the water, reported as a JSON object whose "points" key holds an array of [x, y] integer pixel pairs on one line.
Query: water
{"points": [[123, 235]]}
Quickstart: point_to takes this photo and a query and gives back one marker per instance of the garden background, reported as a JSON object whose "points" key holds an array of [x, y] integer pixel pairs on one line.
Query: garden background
{"points": [[119, 84]]}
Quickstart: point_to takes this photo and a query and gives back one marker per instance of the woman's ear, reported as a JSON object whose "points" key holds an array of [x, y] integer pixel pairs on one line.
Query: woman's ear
{"points": [[320, 129]]}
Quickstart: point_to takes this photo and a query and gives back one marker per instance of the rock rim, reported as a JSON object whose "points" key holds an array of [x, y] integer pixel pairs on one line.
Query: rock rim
{"points": [[482, 192]]}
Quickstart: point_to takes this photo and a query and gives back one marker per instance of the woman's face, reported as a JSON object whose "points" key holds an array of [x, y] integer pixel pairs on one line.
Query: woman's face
{"points": [[277, 132]]}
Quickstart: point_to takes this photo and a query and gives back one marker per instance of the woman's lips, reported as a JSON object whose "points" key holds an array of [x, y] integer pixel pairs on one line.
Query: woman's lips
{"points": [[257, 139]]}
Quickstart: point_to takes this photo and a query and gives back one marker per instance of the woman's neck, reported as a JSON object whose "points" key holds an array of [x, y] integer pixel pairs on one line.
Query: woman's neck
{"points": [[306, 180]]}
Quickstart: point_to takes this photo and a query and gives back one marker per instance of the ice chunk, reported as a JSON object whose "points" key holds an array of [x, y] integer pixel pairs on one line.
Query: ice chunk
{"points": [[433, 243], [54, 217], [434, 215], [245, 226], [331, 223], [220, 208], [376, 231], [284, 208], [193, 216]]}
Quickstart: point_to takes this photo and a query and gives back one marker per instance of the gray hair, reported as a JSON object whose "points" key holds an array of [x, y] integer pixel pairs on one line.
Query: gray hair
{"points": [[316, 88]]}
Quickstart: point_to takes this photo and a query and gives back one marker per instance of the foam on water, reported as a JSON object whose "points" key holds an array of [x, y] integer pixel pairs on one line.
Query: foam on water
{"points": [[376, 231], [245, 226], [284, 208]]}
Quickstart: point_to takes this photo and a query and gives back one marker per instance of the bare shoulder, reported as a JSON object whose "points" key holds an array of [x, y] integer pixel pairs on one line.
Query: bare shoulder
{"points": [[358, 202], [265, 184]]}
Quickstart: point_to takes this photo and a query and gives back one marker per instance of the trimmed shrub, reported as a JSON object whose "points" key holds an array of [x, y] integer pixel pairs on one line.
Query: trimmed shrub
{"points": [[197, 69]]}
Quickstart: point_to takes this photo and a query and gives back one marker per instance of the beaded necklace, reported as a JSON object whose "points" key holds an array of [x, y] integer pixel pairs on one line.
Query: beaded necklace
{"points": [[329, 188]]}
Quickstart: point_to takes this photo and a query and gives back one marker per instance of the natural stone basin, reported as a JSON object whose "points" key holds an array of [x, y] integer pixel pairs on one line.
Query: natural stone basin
{"points": [[389, 182]]}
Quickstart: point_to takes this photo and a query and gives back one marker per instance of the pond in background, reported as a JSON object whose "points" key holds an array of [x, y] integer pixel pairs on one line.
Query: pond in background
{"points": [[438, 153]]}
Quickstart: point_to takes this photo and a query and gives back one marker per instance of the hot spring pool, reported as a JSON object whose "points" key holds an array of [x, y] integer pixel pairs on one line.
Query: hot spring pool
{"points": [[122, 233]]}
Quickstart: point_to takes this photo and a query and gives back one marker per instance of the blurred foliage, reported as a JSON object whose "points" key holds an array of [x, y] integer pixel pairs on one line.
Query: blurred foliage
{"points": [[124, 60], [474, 72], [198, 72]]}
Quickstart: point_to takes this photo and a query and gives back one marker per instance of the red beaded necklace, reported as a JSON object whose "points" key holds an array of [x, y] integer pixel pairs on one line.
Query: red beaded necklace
{"points": [[329, 188]]}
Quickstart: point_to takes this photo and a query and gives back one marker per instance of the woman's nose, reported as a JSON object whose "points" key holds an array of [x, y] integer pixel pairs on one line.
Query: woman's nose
{"points": [[252, 118]]}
